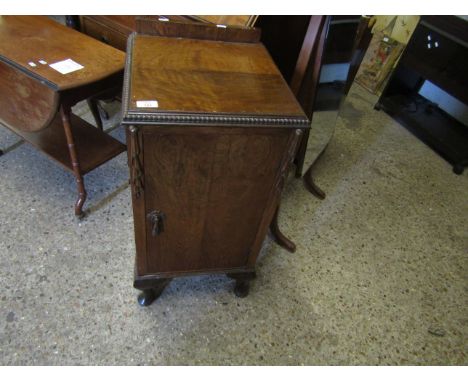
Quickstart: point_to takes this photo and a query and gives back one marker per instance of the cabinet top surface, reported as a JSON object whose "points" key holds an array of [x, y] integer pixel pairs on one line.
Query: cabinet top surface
{"points": [[31, 39], [175, 76]]}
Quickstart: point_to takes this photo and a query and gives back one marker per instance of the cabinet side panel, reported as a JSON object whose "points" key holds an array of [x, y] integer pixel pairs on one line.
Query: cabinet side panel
{"points": [[136, 166], [245, 170]]}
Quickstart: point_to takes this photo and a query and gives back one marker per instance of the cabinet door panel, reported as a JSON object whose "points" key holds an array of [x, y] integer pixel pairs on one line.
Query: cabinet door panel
{"points": [[213, 186]]}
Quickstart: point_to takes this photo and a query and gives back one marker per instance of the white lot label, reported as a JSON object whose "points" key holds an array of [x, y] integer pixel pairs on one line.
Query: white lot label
{"points": [[66, 66], [152, 103]]}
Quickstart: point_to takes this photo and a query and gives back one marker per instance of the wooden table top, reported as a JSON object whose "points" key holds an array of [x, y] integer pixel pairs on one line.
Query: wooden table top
{"points": [[206, 77], [25, 39]]}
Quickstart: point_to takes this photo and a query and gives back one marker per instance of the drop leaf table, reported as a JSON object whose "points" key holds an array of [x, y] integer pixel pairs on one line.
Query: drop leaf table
{"points": [[45, 69]]}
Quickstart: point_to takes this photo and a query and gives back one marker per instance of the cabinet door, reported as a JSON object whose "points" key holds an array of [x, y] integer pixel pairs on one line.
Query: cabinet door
{"points": [[213, 186]]}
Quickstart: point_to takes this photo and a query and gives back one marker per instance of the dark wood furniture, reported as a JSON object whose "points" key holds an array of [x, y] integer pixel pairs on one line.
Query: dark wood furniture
{"points": [[239, 20], [437, 52], [296, 44], [114, 30], [36, 100], [212, 129]]}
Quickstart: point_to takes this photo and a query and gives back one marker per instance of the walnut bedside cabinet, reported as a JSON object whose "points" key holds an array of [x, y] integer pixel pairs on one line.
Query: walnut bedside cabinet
{"points": [[212, 128]]}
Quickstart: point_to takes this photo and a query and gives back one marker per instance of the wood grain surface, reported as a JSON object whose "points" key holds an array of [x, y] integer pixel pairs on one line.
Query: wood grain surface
{"points": [[213, 185], [25, 103], [27, 39], [199, 76]]}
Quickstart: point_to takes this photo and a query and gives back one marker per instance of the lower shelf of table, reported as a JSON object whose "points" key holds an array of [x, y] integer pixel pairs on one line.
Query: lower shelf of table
{"points": [[93, 146]]}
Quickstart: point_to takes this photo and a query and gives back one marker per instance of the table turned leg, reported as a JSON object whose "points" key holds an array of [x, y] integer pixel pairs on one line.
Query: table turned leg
{"points": [[278, 236], [151, 290], [242, 282], [65, 114]]}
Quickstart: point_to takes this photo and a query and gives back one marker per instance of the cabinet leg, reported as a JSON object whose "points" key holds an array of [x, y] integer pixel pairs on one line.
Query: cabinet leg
{"points": [[146, 297], [278, 236], [241, 289], [1, 153], [152, 291], [242, 286], [65, 113], [458, 169]]}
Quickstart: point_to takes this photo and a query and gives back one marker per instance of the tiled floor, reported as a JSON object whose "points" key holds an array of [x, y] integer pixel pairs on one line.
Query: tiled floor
{"points": [[379, 276]]}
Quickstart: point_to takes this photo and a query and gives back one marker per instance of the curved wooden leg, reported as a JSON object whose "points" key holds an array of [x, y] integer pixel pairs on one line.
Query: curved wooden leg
{"points": [[94, 108], [278, 236], [65, 114], [311, 186], [151, 291], [242, 287]]}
